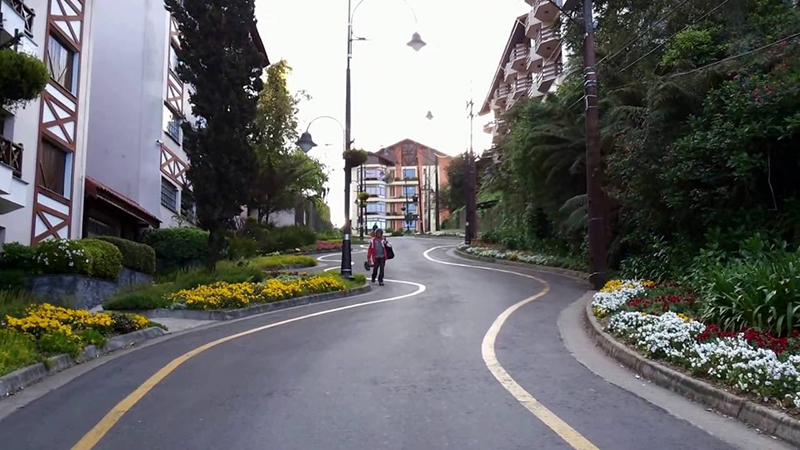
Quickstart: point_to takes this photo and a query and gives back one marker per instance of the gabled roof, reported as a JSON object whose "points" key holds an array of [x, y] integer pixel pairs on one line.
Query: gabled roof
{"points": [[517, 36], [417, 144], [259, 43]]}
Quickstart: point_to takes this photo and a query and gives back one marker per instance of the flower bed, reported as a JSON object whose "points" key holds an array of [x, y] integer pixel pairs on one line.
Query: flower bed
{"points": [[451, 233], [662, 323], [46, 330], [521, 256], [224, 295]]}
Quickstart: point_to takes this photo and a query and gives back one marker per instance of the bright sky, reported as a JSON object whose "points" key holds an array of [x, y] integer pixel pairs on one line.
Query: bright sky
{"points": [[394, 87]]}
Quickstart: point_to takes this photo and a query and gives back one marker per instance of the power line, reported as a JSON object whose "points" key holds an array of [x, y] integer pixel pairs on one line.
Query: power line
{"points": [[670, 38], [641, 35], [755, 50]]}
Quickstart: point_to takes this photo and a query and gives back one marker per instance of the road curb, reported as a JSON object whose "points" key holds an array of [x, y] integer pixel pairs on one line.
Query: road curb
{"points": [[22, 378], [249, 311], [764, 419], [574, 274]]}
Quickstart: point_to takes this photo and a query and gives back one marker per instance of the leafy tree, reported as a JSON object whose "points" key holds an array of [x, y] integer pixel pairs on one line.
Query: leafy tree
{"points": [[284, 174], [221, 62]]}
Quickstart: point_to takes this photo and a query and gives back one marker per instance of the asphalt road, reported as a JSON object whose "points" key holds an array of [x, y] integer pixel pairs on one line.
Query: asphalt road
{"points": [[404, 374]]}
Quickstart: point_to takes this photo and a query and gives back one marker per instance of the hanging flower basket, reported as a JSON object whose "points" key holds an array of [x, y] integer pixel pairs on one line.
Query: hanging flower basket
{"points": [[363, 196], [354, 158], [22, 78]]}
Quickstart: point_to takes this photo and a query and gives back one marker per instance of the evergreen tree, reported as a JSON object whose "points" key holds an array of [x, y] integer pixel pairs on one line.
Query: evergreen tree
{"points": [[221, 62]]}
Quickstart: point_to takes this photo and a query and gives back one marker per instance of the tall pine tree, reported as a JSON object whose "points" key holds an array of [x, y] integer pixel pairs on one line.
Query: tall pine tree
{"points": [[221, 62]]}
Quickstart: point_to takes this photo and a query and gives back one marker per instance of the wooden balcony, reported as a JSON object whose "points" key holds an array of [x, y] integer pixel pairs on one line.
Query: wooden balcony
{"points": [[22, 18], [11, 156], [548, 41], [548, 75], [519, 56]]}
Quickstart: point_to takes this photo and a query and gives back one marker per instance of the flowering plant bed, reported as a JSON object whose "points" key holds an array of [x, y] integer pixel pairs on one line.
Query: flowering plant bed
{"points": [[523, 256], [224, 295], [662, 322], [45, 330]]}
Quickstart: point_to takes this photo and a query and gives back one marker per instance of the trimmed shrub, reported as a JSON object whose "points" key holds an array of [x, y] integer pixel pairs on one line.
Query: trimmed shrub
{"points": [[242, 247], [105, 258], [135, 256], [16, 256], [62, 256], [178, 247]]}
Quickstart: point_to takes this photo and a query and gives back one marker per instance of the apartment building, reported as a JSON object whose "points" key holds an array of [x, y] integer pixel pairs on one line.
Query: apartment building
{"points": [[532, 64], [43, 144], [401, 181], [136, 173]]}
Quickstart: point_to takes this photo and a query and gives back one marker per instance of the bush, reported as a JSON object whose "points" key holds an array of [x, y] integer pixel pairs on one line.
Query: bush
{"points": [[283, 261], [59, 342], [128, 323], [178, 247], [16, 256], [242, 247], [759, 291], [105, 258], [397, 233], [12, 280], [17, 350], [62, 256], [285, 238], [135, 256]]}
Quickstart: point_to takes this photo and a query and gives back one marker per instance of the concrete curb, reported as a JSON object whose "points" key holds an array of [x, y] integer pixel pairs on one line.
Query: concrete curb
{"points": [[22, 378], [250, 311], [766, 420], [574, 274]]}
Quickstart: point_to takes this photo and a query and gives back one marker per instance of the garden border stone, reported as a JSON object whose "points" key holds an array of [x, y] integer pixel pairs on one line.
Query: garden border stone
{"points": [[575, 274], [26, 376], [767, 420], [222, 315]]}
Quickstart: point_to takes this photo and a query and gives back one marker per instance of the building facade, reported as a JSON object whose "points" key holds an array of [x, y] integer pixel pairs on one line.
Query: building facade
{"points": [[401, 181], [43, 145], [532, 64]]}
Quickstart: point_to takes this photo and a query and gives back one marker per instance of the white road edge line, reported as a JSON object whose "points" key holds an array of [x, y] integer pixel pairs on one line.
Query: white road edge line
{"points": [[555, 423]]}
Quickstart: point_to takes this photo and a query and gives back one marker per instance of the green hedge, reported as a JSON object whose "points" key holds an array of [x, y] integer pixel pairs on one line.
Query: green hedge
{"points": [[16, 256], [105, 258], [62, 256], [255, 239], [135, 256], [178, 247]]}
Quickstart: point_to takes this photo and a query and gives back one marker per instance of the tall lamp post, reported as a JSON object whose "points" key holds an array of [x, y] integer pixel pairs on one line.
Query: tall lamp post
{"points": [[306, 143]]}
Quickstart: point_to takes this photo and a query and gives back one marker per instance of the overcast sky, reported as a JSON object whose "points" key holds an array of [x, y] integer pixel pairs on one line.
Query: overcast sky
{"points": [[394, 87]]}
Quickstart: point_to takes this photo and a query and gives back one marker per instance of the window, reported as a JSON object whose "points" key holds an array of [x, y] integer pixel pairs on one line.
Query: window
{"points": [[409, 173], [169, 195], [61, 64], [95, 227], [380, 223], [53, 164], [374, 174], [410, 225], [376, 191], [411, 208], [376, 208], [173, 59], [172, 125], [409, 191], [187, 205]]}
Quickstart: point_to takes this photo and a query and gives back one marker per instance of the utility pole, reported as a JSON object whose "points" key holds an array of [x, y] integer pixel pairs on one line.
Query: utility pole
{"points": [[594, 160], [437, 193], [471, 228]]}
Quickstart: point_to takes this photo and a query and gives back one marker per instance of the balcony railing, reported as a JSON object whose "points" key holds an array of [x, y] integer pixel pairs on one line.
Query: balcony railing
{"points": [[25, 12], [11, 155], [503, 91], [547, 41], [522, 85], [518, 56], [548, 75]]}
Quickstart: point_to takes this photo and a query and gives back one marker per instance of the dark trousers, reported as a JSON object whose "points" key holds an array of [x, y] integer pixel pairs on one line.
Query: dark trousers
{"points": [[380, 263]]}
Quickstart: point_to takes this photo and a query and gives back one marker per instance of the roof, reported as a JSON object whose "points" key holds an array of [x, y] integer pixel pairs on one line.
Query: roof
{"points": [[98, 190], [259, 43], [404, 141], [375, 158], [517, 36]]}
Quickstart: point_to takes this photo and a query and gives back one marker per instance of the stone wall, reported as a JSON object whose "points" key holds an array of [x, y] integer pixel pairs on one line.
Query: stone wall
{"points": [[80, 291]]}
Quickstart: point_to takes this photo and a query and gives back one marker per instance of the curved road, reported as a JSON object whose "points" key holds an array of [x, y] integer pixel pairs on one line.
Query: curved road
{"points": [[402, 374]]}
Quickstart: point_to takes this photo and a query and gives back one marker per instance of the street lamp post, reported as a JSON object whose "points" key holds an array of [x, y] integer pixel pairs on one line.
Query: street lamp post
{"points": [[307, 143]]}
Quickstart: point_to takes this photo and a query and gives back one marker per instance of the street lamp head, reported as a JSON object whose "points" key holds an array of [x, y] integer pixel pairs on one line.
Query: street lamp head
{"points": [[429, 116], [305, 142], [416, 42]]}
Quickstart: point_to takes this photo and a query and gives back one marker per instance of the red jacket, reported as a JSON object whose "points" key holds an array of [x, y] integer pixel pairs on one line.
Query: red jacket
{"points": [[371, 250]]}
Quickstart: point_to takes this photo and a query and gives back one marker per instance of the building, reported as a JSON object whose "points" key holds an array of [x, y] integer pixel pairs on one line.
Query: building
{"points": [[43, 144], [137, 166], [532, 64], [401, 183]]}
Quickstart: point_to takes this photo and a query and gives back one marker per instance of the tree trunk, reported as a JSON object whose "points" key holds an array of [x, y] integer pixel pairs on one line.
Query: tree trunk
{"points": [[216, 245]]}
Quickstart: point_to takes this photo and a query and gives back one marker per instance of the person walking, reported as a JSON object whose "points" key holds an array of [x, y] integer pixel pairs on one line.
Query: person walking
{"points": [[376, 255]]}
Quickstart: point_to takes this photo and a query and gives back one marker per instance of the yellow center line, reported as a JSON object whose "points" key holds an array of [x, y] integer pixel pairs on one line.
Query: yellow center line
{"points": [[555, 423], [94, 435]]}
